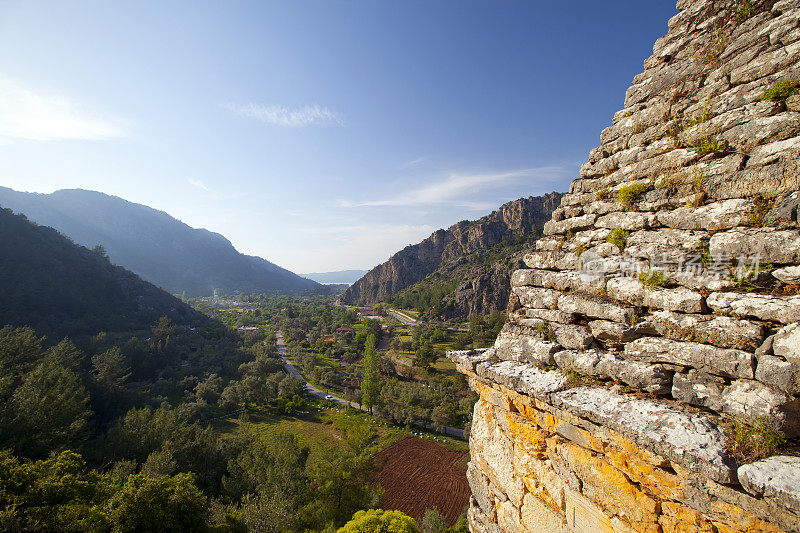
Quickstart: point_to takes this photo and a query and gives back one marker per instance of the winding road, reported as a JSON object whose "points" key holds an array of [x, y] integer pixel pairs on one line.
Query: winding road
{"points": [[314, 391]]}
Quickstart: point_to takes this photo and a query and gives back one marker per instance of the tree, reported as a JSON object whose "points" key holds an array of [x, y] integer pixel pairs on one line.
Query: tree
{"points": [[369, 385], [52, 409], [158, 503], [433, 522], [380, 521], [100, 250]]}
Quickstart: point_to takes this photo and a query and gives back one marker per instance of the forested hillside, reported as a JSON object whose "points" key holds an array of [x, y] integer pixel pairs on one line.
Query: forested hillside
{"points": [[59, 288], [151, 243]]}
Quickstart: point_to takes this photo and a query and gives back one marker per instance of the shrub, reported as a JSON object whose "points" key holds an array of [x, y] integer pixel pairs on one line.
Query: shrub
{"points": [[652, 278], [628, 195], [618, 237], [781, 90], [745, 10], [753, 440], [708, 144], [380, 521], [546, 332]]}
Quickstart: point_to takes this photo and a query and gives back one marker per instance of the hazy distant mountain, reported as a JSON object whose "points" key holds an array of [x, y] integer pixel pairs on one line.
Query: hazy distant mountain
{"points": [[151, 243], [60, 288], [339, 277]]}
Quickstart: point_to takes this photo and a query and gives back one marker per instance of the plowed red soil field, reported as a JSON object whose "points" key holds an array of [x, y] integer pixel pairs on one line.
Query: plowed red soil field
{"points": [[418, 474]]}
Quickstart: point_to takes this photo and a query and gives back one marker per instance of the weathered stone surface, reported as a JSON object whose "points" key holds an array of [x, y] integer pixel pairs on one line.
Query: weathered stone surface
{"points": [[648, 378], [523, 378], [465, 360], [629, 221], [764, 307], [536, 298], [550, 315], [492, 453], [696, 441], [779, 247], [512, 345], [719, 361], [616, 333], [561, 281], [699, 388], [479, 485], [594, 307], [573, 337], [776, 478], [551, 260], [713, 217], [779, 373], [721, 331], [632, 291], [786, 342], [570, 224], [752, 400], [789, 275]]}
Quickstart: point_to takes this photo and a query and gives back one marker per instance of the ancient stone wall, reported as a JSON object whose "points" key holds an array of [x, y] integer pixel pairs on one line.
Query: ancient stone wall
{"points": [[654, 340]]}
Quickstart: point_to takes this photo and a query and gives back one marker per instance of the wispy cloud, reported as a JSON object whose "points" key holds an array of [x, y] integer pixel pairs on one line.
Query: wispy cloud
{"points": [[414, 162], [280, 115], [460, 189], [29, 114], [198, 183]]}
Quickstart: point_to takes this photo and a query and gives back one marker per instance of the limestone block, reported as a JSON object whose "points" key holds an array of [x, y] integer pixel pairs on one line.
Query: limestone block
{"points": [[701, 280], [523, 378], [552, 260], [585, 516], [699, 388], [578, 361], [479, 485], [712, 217], [769, 245], [573, 337], [617, 334], [479, 522], [664, 242], [512, 345], [718, 361], [765, 307], [550, 315], [595, 308], [466, 360], [536, 517], [695, 441], [779, 373], [786, 342], [561, 281], [536, 298], [632, 291], [492, 451], [569, 224], [648, 378], [721, 331], [776, 478], [629, 221], [751, 400], [789, 275]]}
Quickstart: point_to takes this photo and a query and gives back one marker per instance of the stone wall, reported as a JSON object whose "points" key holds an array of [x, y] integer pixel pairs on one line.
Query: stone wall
{"points": [[662, 307]]}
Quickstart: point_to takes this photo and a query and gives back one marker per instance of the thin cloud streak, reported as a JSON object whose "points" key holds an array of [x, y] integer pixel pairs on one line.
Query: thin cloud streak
{"points": [[279, 115], [457, 189], [199, 184], [26, 114]]}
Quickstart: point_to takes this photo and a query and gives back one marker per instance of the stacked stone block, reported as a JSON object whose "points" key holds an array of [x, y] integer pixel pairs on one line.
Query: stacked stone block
{"points": [[662, 306]]}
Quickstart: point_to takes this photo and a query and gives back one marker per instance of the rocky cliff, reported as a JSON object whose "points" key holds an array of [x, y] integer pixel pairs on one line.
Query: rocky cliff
{"points": [[649, 373], [413, 263]]}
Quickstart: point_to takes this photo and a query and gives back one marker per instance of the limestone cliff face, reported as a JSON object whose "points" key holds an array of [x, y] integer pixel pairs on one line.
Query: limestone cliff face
{"points": [[414, 262], [662, 306]]}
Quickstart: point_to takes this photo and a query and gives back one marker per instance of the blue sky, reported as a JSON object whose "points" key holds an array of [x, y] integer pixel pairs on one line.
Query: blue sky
{"points": [[321, 135]]}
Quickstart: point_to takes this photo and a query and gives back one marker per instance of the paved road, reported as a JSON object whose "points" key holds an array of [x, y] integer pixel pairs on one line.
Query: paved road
{"points": [[403, 318], [314, 391]]}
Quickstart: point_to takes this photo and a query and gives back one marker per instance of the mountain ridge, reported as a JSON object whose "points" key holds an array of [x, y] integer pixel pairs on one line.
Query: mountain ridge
{"points": [[160, 248], [512, 221]]}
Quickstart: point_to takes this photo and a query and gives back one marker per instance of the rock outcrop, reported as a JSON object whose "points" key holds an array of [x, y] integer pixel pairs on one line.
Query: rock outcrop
{"points": [[662, 307], [448, 247]]}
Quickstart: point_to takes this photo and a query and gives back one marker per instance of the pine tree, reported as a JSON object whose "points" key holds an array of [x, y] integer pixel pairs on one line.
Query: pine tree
{"points": [[369, 386]]}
